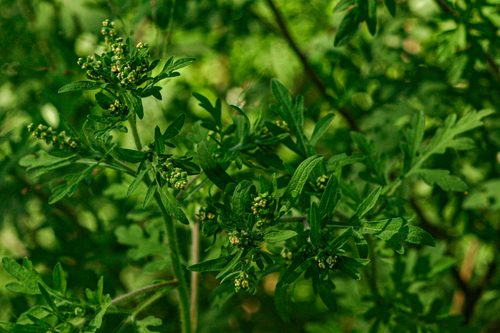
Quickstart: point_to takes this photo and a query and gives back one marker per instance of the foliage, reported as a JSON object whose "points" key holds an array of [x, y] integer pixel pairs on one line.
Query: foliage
{"points": [[352, 187]]}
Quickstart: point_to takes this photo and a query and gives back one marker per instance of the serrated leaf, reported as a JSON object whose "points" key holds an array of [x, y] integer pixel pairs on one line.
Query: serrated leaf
{"points": [[27, 276], [276, 236], [321, 127], [142, 325], [443, 179], [80, 85], [71, 184], [212, 265], [172, 205], [299, 179]]}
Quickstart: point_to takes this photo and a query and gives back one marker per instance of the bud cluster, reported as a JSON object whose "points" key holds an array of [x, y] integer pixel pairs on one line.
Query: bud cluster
{"points": [[262, 207], [241, 238], [123, 64], [322, 181], [118, 109], [59, 140], [286, 253], [242, 282], [326, 261], [175, 176], [205, 215], [282, 124]]}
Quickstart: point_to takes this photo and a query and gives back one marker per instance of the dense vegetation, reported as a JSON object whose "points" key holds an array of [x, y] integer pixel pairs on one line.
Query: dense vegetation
{"points": [[250, 166]]}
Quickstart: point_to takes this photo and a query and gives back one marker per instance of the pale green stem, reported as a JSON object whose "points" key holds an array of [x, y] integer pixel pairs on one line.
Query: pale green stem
{"points": [[178, 269], [143, 290]]}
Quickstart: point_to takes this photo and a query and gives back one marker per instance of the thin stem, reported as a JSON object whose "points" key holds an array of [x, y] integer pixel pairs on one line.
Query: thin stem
{"points": [[135, 134], [195, 253], [190, 182], [143, 290], [177, 268], [280, 20]]}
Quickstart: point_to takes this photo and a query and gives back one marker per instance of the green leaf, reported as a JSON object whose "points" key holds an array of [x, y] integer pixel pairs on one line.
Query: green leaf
{"points": [[159, 141], [391, 6], [27, 276], [314, 220], [137, 181], [71, 184], [361, 244], [175, 127], [330, 198], [276, 236], [81, 85], [299, 179], [149, 194], [326, 294], [49, 300], [214, 111], [281, 302], [142, 325], [135, 103], [443, 179], [172, 205], [241, 198], [96, 322], [348, 26], [232, 264], [59, 278], [349, 266], [141, 246], [171, 66], [321, 127], [129, 155], [290, 274], [365, 206], [343, 5], [339, 241], [211, 167], [414, 140], [212, 265], [371, 19]]}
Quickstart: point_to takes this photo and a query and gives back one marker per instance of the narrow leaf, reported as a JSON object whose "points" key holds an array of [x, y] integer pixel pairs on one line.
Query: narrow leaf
{"points": [[276, 236], [159, 141], [321, 127], [137, 181], [59, 278], [211, 168], [80, 85], [212, 265], [175, 127], [281, 302], [315, 224]]}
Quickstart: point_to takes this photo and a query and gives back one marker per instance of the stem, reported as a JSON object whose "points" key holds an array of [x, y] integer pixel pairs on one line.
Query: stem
{"points": [[135, 134], [280, 20], [195, 252], [143, 290], [190, 182], [178, 270]]}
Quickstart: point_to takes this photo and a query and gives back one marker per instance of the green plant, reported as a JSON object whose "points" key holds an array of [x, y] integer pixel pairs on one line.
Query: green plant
{"points": [[316, 220]]}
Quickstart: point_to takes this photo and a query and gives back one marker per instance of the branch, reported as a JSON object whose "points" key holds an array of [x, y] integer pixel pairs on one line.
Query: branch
{"points": [[143, 290], [280, 20]]}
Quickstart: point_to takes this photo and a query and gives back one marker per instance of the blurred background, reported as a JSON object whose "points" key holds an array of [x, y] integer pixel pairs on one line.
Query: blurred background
{"points": [[431, 56]]}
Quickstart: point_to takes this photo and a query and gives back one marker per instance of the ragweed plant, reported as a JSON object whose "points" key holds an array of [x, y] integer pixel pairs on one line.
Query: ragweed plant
{"points": [[264, 216]]}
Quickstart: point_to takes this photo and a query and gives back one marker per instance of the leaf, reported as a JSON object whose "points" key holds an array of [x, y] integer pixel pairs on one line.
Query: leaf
{"points": [[171, 66], [299, 179], [27, 276], [232, 264], [281, 302], [330, 198], [391, 6], [142, 325], [212, 265], [443, 179], [159, 141], [290, 274], [241, 198], [49, 300], [129, 155], [43, 162], [149, 194], [59, 278], [96, 322], [135, 103], [292, 114], [80, 85], [141, 246], [365, 206], [276, 236], [349, 266], [361, 244], [339, 241], [172, 205], [314, 220], [136, 182], [414, 140], [175, 127], [214, 111], [211, 167], [343, 5], [71, 184], [326, 294], [371, 19], [348, 26], [321, 127]]}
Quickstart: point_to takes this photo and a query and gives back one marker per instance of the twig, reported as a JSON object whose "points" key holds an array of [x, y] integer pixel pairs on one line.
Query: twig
{"points": [[190, 182], [143, 290], [280, 20]]}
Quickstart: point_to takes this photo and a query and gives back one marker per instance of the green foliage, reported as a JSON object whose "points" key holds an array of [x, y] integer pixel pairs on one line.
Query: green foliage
{"points": [[282, 183]]}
